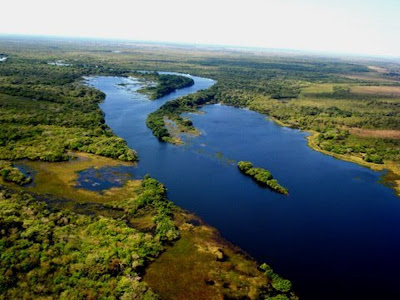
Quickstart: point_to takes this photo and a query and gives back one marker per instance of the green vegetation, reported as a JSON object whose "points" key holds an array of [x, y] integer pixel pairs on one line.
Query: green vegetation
{"points": [[173, 109], [45, 112], [49, 252], [333, 119], [195, 255], [308, 94], [67, 255], [12, 174], [152, 195], [165, 84], [278, 283], [316, 94], [373, 149], [261, 176], [200, 265]]}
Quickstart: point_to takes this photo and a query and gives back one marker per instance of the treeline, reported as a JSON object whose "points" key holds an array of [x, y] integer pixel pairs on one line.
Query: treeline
{"points": [[374, 150], [166, 84], [344, 92], [173, 110], [261, 176]]}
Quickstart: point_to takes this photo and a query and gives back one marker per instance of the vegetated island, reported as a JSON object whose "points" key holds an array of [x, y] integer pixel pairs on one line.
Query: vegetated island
{"points": [[262, 176], [173, 110], [165, 84]]}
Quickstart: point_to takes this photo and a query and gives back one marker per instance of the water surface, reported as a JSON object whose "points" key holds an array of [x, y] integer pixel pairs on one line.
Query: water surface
{"points": [[336, 235]]}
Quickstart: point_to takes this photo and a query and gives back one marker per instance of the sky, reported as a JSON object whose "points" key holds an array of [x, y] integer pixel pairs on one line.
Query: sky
{"points": [[334, 26]]}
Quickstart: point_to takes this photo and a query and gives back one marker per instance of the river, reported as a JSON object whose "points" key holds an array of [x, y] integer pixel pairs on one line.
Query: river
{"points": [[337, 234]]}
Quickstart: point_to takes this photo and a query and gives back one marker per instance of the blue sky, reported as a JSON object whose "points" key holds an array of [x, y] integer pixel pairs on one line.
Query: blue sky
{"points": [[341, 26]]}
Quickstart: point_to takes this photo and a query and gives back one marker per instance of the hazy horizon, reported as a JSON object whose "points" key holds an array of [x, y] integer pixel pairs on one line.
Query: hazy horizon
{"points": [[352, 27]]}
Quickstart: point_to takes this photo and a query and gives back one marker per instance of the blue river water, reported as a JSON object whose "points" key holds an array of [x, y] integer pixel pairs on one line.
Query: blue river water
{"points": [[337, 234]]}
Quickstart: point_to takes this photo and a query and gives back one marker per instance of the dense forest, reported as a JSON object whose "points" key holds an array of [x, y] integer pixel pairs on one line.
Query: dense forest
{"points": [[45, 252]]}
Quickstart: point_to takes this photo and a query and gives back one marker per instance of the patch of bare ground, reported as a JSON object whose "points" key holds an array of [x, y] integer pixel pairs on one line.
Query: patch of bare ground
{"points": [[393, 91], [378, 69], [378, 133], [373, 76]]}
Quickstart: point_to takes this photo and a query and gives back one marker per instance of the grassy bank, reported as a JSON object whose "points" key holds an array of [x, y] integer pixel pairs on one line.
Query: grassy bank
{"points": [[393, 167], [202, 265]]}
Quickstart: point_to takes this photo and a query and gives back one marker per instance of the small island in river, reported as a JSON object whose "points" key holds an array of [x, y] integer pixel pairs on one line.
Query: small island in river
{"points": [[262, 176], [166, 84]]}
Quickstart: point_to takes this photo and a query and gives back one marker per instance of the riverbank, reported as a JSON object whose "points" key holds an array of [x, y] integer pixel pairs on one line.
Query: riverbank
{"points": [[392, 177], [203, 265]]}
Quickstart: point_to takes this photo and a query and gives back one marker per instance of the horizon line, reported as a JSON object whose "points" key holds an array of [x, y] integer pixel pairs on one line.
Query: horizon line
{"points": [[312, 52]]}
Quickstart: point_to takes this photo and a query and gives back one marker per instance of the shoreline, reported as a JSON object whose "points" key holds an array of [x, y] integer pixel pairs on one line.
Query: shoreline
{"points": [[390, 166]]}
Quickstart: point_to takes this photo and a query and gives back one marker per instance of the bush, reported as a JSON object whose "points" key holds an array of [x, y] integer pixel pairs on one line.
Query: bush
{"points": [[374, 158], [280, 284], [244, 166]]}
